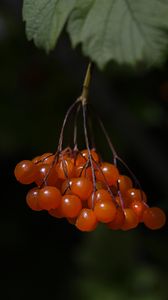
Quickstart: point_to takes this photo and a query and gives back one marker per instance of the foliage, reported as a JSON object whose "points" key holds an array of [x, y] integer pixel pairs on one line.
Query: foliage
{"points": [[123, 31]]}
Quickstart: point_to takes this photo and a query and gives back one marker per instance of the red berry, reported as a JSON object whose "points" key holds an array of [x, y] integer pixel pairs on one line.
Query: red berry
{"points": [[49, 197], [32, 199], [110, 173], [56, 212], [66, 187], [118, 220], [138, 207], [131, 219], [44, 171], [83, 157], [25, 171], [65, 168], [124, 183], [71, 206], [86, 221], [154, 217], [81, 171], [135, 194], [82, 187], [105, 211], [99, 196]]}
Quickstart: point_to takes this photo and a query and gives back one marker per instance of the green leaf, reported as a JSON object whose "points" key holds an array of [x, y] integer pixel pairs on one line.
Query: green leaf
{"points": [[45, 20], [125, 31]]}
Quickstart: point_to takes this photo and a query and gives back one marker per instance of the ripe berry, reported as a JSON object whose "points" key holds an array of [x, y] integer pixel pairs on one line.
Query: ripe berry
{"points": [[25, 171], [81, 171], [49, 197], [32, 199], [44, 171], [138, 207], [154, 217], [124, 183], [135, 194], [110, 173], [105, 211], [82, 187], [65, 168], [131, 219], [99, 196], [118, 220], [71, 206], [56, 212], [45, 156], [83, 157], [36, 159], [66, 187], [86, 221]]}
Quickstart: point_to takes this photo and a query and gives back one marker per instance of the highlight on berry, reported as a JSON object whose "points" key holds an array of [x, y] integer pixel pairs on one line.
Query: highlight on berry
{"points": [[83, 188]]}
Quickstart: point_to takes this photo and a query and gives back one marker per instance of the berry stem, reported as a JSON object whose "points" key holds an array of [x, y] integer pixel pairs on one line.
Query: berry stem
{"points": [[86, 83], [88, 148]]}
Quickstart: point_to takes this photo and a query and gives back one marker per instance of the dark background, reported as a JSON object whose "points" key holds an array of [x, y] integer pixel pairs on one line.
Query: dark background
{"points": [[45, 258]]}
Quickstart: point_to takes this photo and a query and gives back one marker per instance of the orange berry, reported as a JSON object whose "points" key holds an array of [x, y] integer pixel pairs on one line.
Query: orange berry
{"points": [[66, 187], [86, 221], [110, 173], [44, 170], [118, 220], [36, 159], [131, 219], [135, 194], [65, 168], [49, 197], [56, 212], [82, 187], [138, 207], [71, 206], [99, 196], [105, 211], [81, 171], [124, 183], [32, 199], [83, 157], [25, 171], [154, 217]]}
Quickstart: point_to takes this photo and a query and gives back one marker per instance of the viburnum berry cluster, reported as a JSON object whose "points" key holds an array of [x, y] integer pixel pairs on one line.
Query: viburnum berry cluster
{"points": [[79, 186]]}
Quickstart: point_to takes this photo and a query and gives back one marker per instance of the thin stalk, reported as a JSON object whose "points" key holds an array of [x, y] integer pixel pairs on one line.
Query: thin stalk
{"points": [[88, 148], [86, 83]]}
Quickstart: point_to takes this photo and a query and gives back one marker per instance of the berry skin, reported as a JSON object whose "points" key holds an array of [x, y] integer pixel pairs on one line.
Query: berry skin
{"points": [[99, 196], [131, 219], [71, 206], [83, 157], [110, 172], [25, 171], [32, 199], [105, 211], [49, 197], [66, 187], [138, 207], [82, 187], [36, 159], [135, 194], [118, 220], [65, 168], [124, 183], [86, 221], [44, 170], [56, 212], [154, 217], [81, 171]]}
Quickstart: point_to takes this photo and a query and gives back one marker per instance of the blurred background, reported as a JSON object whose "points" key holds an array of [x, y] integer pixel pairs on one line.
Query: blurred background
{"points": [[47, 258]]}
